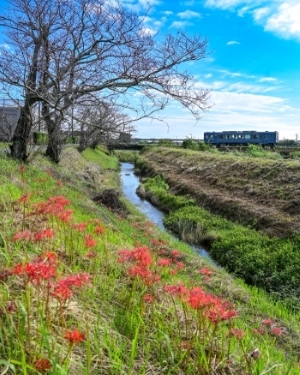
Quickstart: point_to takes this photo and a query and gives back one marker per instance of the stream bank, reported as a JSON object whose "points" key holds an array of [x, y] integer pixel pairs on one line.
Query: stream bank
{"points": [[240, 224]]}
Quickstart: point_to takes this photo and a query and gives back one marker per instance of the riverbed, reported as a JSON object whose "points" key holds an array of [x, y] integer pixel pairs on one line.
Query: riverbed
{"points": [[130, 183]]}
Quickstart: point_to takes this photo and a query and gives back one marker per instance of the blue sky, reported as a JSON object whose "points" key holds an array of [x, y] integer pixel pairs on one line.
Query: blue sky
{"points": [[253, 69]]}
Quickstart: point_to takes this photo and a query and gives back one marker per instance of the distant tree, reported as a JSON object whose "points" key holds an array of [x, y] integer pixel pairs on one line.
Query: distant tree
{"points": [[101, 124], [62, 51], [287, 142]]}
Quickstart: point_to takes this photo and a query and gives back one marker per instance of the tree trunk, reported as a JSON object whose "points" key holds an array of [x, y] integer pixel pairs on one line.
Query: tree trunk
{"points": [[54, 147], [21, 135]]}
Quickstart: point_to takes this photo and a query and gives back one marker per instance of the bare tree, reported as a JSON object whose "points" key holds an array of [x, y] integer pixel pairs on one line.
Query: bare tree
{"points": [[64, 50], [103, 123]]}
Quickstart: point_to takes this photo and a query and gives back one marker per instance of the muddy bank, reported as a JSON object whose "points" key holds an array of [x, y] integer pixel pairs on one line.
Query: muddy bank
{"points": [[261, 193]]}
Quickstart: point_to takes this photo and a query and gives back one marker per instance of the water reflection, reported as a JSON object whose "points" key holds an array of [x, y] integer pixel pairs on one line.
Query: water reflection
{"points": [[130, 182]]}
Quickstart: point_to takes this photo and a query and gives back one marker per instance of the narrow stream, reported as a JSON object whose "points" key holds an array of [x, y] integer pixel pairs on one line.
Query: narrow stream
{"points": [[130, 182]]}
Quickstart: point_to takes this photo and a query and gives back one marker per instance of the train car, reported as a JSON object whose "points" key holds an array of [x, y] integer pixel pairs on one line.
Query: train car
{"points": [[240, 138]]}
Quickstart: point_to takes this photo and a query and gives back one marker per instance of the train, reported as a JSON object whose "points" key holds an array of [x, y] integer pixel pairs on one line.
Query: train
{"points": [[241, 138]]}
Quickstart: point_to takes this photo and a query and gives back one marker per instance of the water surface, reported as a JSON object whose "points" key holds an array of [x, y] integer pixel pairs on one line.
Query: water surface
{"points": [[130, 183]]}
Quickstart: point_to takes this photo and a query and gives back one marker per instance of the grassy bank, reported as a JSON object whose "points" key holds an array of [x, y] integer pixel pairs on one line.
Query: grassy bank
{"points": [[87, 289]]}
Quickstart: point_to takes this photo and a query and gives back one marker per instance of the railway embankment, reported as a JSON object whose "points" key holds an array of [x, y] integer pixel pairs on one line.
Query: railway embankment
{"points": [[261, 193]]}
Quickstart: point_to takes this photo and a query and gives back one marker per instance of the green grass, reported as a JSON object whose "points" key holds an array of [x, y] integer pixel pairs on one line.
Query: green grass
{"points": [[87, 291]]}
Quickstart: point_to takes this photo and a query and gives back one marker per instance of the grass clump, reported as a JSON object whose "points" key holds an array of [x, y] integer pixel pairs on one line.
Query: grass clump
{"points": [[87, 291]]}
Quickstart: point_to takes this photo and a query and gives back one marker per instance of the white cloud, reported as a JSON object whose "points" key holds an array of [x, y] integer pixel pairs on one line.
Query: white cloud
{"points": [[268, 79], [180, 24], [280, 17], [232, 42], [148, 31], [189, 14], [285, 21], [5, 46]]}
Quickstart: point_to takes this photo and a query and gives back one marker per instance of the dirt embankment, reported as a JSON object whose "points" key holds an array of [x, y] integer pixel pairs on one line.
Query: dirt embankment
{"points": [[261, 193]]}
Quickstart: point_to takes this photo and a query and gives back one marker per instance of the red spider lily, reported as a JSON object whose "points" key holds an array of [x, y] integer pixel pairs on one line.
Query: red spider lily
{"points": [[198, 299], [172, 272], [267, 322], [99, 229], [45, 233], [259, 331], [22, 169], [89, 241], [239, 333], [140, 255], [175, 253], [74, 337], [53, 206], [277, 331], [24, 198], [62, 292], [80, 227], [48, 256], [164, 262], [35, 272], [23, 235], [64, 216], [142, 272], [42, 365], [148, 298], [205, 271], [178, 290], [220, 312], [158, 243], [64, 287], [180, 265]]}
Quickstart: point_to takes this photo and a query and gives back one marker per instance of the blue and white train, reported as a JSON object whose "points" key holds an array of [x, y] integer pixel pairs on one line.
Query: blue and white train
{"points": [[240, 138]]}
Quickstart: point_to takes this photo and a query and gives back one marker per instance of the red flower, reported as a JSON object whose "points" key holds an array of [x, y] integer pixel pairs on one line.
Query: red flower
{"points": [[24, 235], [164, 262], [179, 290], [80, 226], [24, 198], [89, 241], [74, 337], [175, 253], [148, 298], [205, 271], [99, 229], [64, 288], [139, 255], [237, 333], [36, 272], [42, 365], [45, 233], [267, 322], [277, 331]]}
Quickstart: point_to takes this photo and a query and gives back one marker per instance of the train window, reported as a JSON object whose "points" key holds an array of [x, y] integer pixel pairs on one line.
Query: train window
{"points": [[255, 136], [265, 136], [221, 136], [247, 136]]}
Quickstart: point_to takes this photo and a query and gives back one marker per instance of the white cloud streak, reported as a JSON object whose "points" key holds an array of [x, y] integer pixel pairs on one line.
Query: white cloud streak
{"points": [[280, 17]]}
